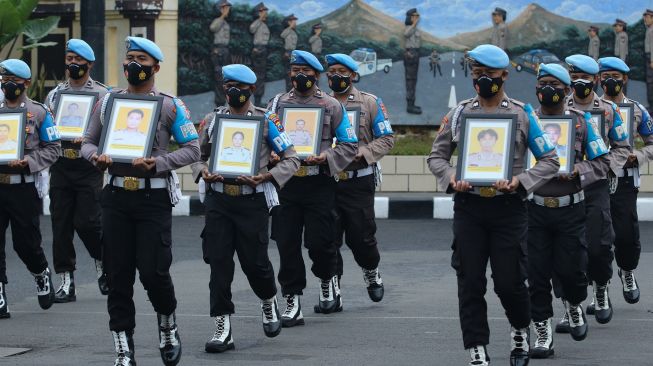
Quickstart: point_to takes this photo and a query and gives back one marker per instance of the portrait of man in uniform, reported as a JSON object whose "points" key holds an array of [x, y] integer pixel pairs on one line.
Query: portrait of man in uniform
{"points": [[299, 136], [236, 153], [131, 134], [303, 128], [487, 157], [72, 111], [72, 117], [554, 131], [6, 142]]}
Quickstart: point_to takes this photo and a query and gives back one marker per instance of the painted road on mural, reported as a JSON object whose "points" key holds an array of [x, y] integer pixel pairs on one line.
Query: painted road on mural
{"points": [[434, 94]]}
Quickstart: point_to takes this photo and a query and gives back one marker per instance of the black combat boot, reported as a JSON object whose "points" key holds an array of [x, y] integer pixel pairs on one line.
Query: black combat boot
{"points": [[66, 291], [169, 341], [124, 343], [44, 289]]}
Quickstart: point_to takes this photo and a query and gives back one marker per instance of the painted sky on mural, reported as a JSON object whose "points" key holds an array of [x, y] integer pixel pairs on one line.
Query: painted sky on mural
{"points": [[455, 16]]}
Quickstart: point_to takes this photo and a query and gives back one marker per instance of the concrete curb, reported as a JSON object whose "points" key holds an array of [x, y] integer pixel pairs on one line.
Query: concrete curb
{"points": [[438, 207]]}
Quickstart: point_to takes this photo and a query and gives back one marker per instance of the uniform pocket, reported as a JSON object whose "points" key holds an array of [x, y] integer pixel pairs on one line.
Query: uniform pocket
{"points": [[455, 258]]}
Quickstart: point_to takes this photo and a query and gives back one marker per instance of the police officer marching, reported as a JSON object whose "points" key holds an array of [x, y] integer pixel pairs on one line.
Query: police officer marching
{"points": [[556, 217], [600, 235], [75, 184], [623, 203], [24, 182], [237, 213], [492, 222], [357, 183], [308, 200], [137, 209]]}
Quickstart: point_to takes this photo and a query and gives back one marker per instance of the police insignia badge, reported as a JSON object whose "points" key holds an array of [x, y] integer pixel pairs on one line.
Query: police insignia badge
{"points": [[443, 124], [504, 104], [495, 88], [142, 75], [343, 84], [556, 98], [309, 84], [242, 99], [596, 102]]}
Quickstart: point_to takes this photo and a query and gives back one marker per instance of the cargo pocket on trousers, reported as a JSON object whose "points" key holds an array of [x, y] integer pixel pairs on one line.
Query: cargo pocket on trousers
{"points": [[607, 238], [274, 229], [455, 258], [164, 257], [369, 226], [205, 247]]}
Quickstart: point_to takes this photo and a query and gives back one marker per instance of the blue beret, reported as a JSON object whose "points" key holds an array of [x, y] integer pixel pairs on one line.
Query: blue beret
{"points": [[239, 73], [305, 58], [557, 71], [16, 68], [613, 63], [582, 63], [145, 45], [81, 48], [490, 56], [342, 59]]}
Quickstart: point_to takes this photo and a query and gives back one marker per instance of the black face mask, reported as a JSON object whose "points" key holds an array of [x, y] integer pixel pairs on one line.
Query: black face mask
{"points": [[136, 73], [303, 82], [612, 87], [582, 89], [548, 95], [339, 84], [77, 71], [487, 87], [237, 97], [12, 90]]}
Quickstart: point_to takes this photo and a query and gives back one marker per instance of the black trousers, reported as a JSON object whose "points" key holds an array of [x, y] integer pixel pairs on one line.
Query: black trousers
{"points": [[411, 65], [623, 207], [20, 207], [137, 235], [220, 56], [491, 229], [355, 220], [556, 247], [599, 232], [260, 68], [240, 225], [75, 187], [308, 206]]}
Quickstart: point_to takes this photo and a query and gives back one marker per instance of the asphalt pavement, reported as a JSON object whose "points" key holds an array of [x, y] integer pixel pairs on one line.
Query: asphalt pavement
{"points": [[434, 94], [416, 324]]}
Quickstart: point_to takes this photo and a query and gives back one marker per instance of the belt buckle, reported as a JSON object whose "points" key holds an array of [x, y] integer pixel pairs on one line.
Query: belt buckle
{"points": [[343, 176], [70, 153], [131, 183], [551, 202], [302, 171], [231, 190], [487, 192], [5, 178]]}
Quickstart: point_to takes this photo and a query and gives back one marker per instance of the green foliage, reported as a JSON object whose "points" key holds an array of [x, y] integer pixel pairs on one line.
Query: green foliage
{"points": [[575, 43], [36, 29], [412, 145]]}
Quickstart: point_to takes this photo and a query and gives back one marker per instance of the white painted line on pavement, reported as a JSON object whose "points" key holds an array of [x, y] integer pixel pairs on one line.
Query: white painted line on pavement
{"points": [[442, 207], [645, 209], [452, 97], [453, 73]]}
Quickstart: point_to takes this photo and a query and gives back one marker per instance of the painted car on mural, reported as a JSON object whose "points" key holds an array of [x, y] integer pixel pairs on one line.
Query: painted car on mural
{"points": [[368, 63], [532, 59]]}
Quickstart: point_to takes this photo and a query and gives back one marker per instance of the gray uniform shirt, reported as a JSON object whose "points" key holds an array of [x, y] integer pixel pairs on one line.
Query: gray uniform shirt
{"points": [[447, 140], [290, 39], [589, 171], [261, 33], [38, 153], [340, 156], [221, 32], [644, 154], [619, 150], [281, 172], [316, 44], [621, 45], [499, 36], [373, 148], [413, 37], [594, 47], [165, 161], [648, 43]]}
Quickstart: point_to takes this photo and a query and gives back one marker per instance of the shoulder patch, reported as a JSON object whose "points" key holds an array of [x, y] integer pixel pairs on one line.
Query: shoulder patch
{"points": [[182, 127], [102, 85], [517, 103]]}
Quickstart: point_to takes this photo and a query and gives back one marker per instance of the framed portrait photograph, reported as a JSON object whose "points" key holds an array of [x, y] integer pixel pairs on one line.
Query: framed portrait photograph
{"points": [[72, 112], [354, 115], [627, 111], [303, 124], [486, 148], [236, 142], [598, 122], [561, 131], [12, 137], [129, 125]]}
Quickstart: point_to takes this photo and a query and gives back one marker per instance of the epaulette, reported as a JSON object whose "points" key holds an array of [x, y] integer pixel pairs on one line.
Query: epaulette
{"points": [[262, 110], [41, 105], [102, 85], [168, 95], [517, 103], [575, 111], [369, 95]]}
